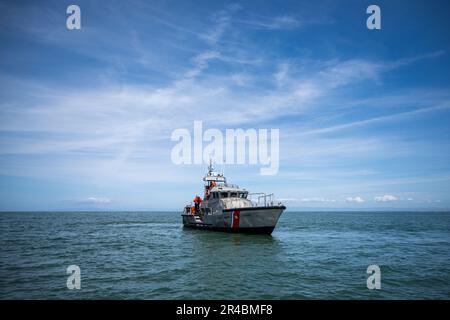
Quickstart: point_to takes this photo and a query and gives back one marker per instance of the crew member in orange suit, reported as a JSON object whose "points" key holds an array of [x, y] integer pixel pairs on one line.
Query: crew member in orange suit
{"points": [[197, 200]]}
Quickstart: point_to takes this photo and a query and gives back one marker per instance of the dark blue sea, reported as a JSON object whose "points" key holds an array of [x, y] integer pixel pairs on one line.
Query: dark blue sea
{"points": [[148, 255]]}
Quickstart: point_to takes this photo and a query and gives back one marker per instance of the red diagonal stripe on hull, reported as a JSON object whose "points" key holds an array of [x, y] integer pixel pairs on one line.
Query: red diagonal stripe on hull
{"points": [[236, 216]]}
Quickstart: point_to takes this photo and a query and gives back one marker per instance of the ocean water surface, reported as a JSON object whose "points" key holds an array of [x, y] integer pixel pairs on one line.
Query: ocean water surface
{"points": [[148, 255]]}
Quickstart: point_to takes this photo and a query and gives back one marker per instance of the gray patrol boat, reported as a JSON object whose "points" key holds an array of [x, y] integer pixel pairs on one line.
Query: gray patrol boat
{"points": [[226, 207]]}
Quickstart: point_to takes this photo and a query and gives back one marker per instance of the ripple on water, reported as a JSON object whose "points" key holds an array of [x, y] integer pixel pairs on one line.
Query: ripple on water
{"points": [[148, 255]]}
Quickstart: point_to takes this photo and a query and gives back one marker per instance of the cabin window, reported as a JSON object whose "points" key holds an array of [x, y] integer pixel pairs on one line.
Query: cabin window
{"points": [[233, 195], [243, 195], [224, 195]]}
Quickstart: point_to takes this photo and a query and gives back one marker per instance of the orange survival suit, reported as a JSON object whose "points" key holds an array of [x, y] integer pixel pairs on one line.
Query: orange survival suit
{"points": [[197, 200]]}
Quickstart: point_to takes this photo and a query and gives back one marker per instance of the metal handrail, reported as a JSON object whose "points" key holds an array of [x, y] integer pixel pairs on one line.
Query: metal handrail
{"points": [[229, 185], [268, 199]]}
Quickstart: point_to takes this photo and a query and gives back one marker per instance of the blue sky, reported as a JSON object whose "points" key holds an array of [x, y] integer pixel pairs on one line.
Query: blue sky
{"points": [[86, 115]]}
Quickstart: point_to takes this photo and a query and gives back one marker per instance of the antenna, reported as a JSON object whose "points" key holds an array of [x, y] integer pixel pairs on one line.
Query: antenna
{"points": [[210, 167]]}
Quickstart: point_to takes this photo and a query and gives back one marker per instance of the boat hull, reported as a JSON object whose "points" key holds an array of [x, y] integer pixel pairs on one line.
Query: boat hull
{"points": [[254, 220]]}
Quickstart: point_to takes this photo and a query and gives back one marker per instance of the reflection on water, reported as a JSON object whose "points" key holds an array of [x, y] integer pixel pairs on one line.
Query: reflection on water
{"points": [[203, 236]]}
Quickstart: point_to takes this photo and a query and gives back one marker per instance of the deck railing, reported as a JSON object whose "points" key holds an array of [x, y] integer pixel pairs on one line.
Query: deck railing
{"points": [[258, 199], [228, 185], [261, 199]]}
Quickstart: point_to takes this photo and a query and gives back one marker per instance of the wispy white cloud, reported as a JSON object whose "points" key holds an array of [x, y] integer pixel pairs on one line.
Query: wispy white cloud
{"points": [[391, 117], [385, 198], [222, 21], [281, 22], [95, 200], [338, 74], [410, 60], [282, 74], [134, 120], [201, 62], [356, 199], [241, 79]]}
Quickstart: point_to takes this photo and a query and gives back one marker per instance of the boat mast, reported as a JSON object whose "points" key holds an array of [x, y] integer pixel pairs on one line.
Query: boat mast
{"points": [[210, 167]]}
